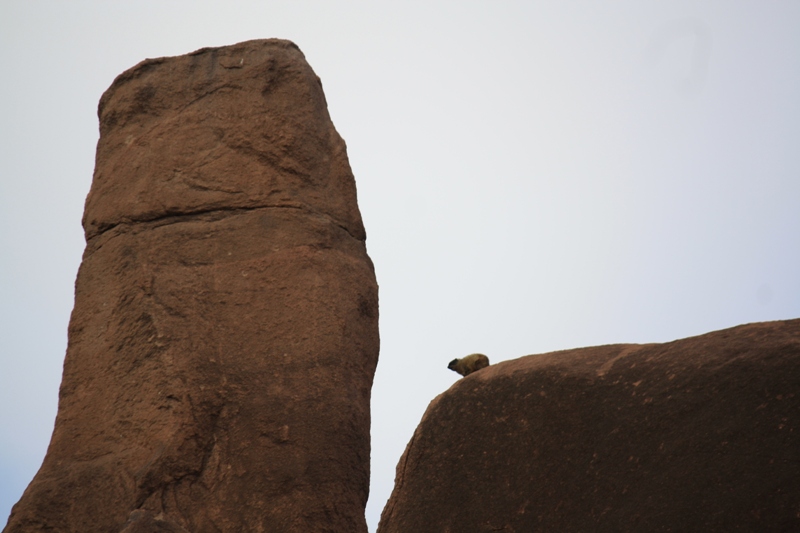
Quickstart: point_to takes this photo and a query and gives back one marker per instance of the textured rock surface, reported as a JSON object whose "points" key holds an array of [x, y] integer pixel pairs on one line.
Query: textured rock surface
{"points": [[225, 331], [700, 434]]}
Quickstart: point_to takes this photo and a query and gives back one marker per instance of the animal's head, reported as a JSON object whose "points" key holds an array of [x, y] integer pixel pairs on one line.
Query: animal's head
{"points": [[452, 365]]}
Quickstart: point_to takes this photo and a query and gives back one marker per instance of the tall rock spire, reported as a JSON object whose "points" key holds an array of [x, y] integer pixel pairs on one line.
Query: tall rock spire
{"points": [[225, 330]]}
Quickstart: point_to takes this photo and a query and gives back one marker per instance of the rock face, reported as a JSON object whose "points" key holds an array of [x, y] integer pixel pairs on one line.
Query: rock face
{"points": [[700, 434], [225, 330]]}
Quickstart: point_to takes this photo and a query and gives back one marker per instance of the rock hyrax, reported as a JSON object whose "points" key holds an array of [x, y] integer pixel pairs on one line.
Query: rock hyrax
{"points": [[469, 364]]}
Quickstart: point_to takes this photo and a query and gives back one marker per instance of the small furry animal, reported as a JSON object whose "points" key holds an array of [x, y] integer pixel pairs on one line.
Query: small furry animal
{"points": [[469, 364]]}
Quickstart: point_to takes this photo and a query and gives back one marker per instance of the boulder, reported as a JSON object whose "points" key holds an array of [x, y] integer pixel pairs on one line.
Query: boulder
{"points": [[700, 434], [225, 330]]}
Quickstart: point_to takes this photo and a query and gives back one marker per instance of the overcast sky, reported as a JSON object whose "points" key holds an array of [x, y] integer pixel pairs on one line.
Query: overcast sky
{"points": [[533, 176]]}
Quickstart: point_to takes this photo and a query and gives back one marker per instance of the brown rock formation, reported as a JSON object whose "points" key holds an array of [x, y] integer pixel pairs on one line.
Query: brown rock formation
{"points": [[224, 337], [700, 434]]}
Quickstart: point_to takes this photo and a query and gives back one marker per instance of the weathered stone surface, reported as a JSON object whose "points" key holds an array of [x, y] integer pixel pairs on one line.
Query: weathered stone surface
{"points": [[145, 522], [700, 434], [224, 336]]}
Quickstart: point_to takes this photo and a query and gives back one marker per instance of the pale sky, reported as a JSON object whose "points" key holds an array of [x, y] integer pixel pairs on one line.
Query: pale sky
{"points": [[533, 176]]}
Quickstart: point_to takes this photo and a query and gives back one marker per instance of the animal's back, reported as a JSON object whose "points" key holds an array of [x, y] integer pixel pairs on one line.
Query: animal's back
{"points": [[469, 364]]}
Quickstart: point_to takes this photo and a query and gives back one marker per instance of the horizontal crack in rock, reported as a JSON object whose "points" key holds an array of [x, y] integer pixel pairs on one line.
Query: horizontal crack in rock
{"points": [[221, 212]]}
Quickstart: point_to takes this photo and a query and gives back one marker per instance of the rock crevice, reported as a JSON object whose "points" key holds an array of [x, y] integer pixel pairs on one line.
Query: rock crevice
{"points": [[209, 215]]}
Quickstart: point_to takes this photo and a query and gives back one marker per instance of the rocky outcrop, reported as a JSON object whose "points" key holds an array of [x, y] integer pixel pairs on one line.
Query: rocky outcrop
{"points": [[224, 336], [700, 434]]}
